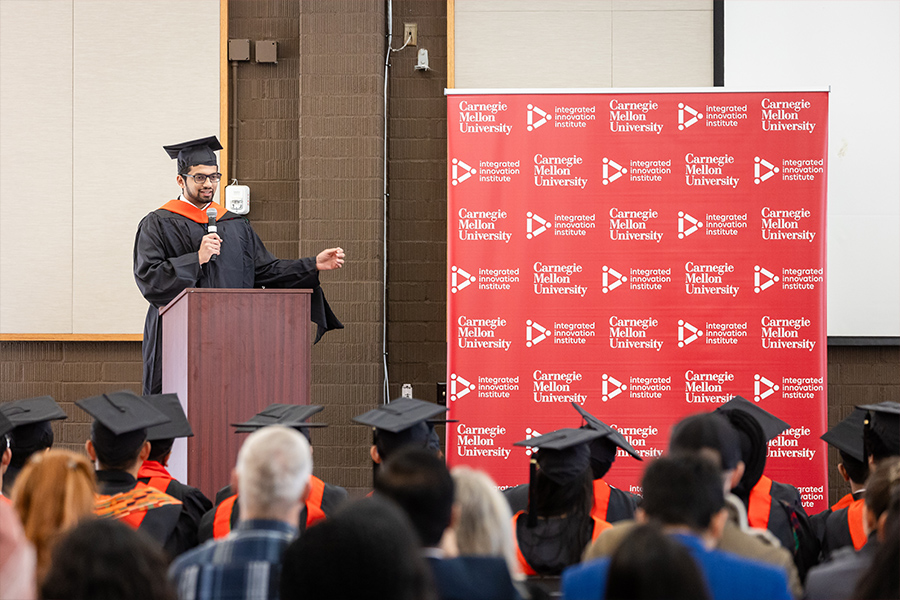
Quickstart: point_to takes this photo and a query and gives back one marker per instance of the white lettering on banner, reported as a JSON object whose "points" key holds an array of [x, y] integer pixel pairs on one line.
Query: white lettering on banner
{"points": [[649, 279], [649, 170], [633, 334], [718, 224], [784, 334], [707, 388], [725, 116], [785, 116], [473, 334], [497, 279], [497, 387], [643, 388], [557, 387], [556, 171], [633, 117], [802, 169], [801, 388], [785, 224], [633, 225], [557, 280], [482, 118], [574, 116], [724, 333], [708, 170], [705, 279], [482, 226]]}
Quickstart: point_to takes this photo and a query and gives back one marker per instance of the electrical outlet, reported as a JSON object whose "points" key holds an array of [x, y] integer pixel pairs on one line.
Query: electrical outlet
{"points": [[411, 33], [406, 391]]}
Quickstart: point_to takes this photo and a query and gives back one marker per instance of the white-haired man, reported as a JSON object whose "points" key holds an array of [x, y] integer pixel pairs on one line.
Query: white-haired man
{"points": [[272, 474]]}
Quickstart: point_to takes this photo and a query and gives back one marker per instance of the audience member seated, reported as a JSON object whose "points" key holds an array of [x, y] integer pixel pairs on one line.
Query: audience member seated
{"points": [[17, 558], [323, 500], [31, 432], [558, 525], [770, 504], [118, 446], [481, 526], [837, 578], [402, 423], [648, 565], [683, 494], [843, 523], [367, 550], [154, 471], [5, 452], [711, 435], [610, 503], [104, 559], [272, 477], [418, 481], [53, 493], [882, 579]]}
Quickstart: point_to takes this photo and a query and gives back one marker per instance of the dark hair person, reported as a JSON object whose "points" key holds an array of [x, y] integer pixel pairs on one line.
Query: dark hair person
{"points": [[649, 565], [103, 559], [367, 550]]}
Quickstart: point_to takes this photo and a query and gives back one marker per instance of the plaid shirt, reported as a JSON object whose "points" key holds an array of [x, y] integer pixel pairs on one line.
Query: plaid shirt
{"points": [[244, 565]]}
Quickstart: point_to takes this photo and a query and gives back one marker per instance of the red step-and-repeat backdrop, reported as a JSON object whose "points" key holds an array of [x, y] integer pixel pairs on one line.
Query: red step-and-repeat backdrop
{"points": [[645, 255]]}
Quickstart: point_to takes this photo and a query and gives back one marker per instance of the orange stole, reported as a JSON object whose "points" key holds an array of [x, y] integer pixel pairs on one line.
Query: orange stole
{"points": [[131, 507]]}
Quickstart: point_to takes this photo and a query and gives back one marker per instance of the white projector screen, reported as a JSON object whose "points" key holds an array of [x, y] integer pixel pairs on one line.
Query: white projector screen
{"points": [[853, 46]]}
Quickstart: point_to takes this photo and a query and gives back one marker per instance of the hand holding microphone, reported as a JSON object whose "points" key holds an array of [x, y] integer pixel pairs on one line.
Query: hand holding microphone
{"points": [[211, 244]]}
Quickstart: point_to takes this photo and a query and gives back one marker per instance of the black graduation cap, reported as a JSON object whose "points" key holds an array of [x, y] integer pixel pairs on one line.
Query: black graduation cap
{"points": [[403, 422], [289, 415], [847, 436], [771, 425], [563, 454], [883, 420], [194, 152], [5, 427], [178, 425], [122, 412], [32, 410], [609, 434]]}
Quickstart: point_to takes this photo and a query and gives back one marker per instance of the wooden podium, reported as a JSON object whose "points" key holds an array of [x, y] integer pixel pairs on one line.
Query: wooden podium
{"points": [[229, 353]]}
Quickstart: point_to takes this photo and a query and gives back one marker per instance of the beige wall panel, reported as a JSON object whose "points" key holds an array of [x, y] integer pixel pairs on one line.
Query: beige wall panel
{"points": [[567, 6], [666, 5], [145, 74], [662, 49], [35, 166], [533, 49]]}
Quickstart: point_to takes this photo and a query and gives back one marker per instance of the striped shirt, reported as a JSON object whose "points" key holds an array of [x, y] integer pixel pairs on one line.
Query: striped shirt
{"points": [[245, 565]]}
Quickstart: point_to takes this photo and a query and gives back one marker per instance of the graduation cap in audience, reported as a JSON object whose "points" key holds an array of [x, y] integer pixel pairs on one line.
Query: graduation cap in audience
{"points": [[755, 428], [121, 420], [883, 421], [604, 448], [847, 436], [31, 419], [5, 427], [194, 152], [562, 456], [404, 422], [771, 425], [289, 415], [177, 427]]}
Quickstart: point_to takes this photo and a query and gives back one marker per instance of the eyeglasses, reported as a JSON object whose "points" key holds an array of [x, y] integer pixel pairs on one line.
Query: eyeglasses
{"points": [[200, 178]]}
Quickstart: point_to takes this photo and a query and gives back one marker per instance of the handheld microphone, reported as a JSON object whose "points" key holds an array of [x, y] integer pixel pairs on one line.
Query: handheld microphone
{"points": [[211, 228]]}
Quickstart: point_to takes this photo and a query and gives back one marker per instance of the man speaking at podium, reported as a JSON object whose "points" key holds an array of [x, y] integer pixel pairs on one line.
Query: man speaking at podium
{"points": [[174, 249]]}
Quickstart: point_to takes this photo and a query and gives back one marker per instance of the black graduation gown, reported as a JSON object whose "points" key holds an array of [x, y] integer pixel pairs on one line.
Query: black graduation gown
{"points": [[194, 503], [621, 505], [333, 497], [169, 525], [166, 263]]}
